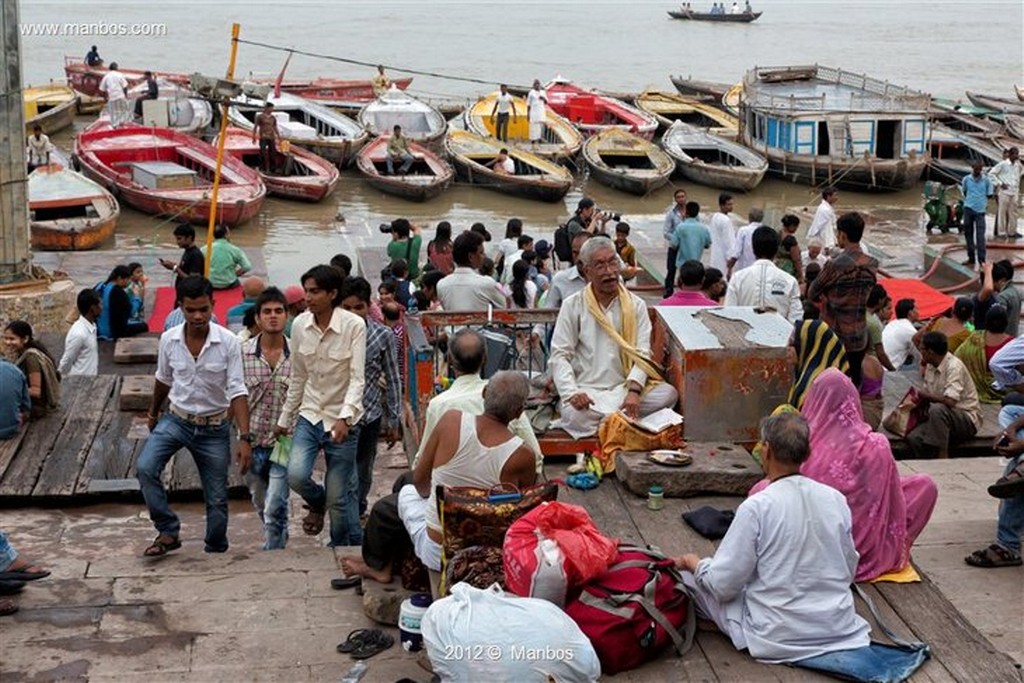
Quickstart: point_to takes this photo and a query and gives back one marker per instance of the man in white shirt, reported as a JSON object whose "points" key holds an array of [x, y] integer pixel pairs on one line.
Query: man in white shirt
{"points": [[723, 234], [601, 349], [38, 148], [954, 412], [898, 335], [757, 588], [536, 112], [81, 350], [742, 254], [466, 289], [326, 394], [199, 368], [1006, 177], [524, 243], [503, 163], [823, 226], [115, 86], [764, 285], [813, 254], [504, 103]]}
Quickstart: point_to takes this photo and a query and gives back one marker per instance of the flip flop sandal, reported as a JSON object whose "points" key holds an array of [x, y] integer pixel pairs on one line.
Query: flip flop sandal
{"points": [[313, 522], [160, 547], [10, 586], [346, 582], [1010, 486], [992, 557], [375, 642], [355, 639], [7, 607], [28, 573]]}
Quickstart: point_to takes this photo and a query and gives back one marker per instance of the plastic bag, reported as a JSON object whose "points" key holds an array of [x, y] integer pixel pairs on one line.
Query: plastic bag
{"points": [[533, 569], [282, 451], [488, 635]]}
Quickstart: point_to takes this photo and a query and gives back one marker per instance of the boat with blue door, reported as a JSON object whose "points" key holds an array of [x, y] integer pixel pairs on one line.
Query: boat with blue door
{"points": [[826, 126]]}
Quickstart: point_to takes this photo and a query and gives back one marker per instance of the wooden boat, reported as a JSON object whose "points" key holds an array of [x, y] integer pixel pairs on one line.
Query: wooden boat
{"points": [[731, 99], [693, 87], [1001, 104], [302, 122], [429, 176], [592, 112], [50, 106], [1014, 125], [67, 211], [86, 79], [626, 162], [166, 173], [713, 161], [1019, 89], [561, 142], [965, 123], [185, 114], [299, 175], [89, 104], [335, 92], [953, 152], [824, 126], [419, 121], [960, 107], [668, 108], [535, 178], [744, 18]]}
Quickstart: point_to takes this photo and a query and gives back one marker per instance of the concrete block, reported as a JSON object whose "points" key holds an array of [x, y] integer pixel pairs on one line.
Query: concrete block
{"points": [[136, 350], [381, 602], [136, 392], [716, 468]]}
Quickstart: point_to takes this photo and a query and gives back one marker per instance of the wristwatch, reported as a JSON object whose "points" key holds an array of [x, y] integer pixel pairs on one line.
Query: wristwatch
{"points": [[248, 438]]}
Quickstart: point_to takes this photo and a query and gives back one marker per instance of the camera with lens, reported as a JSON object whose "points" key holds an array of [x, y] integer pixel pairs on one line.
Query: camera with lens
{"points": [[385, 228], [609, 216]]}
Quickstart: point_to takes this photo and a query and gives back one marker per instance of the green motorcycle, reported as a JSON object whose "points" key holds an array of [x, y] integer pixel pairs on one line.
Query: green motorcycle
{"points": [[944, 206]]}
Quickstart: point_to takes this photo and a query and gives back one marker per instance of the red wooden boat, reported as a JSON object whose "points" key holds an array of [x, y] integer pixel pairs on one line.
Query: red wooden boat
{"points": [[335, 91], [86, 79], [300, 174], [592, 113], [429, 176], [163, 172]]}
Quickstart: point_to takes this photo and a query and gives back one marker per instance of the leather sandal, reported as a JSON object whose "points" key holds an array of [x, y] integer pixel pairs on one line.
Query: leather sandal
{"points": [[994, 556], [313, 522], [162, 545]]}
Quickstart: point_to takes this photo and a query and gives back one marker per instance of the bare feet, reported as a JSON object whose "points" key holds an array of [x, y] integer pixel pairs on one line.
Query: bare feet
{"points": [[354, 566]]}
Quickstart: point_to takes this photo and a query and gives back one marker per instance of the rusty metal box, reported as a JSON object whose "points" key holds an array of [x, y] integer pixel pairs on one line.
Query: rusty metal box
{"points": [[731, 366]]}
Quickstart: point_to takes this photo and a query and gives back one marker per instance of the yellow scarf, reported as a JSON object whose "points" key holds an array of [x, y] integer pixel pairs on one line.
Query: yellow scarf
{"points": [[629, 355]]}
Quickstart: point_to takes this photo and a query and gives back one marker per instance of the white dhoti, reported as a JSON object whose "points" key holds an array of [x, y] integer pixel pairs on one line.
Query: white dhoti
{"points": [[581, 423], [412, 510], [536, 131], [119, 112], [1006, 213]]}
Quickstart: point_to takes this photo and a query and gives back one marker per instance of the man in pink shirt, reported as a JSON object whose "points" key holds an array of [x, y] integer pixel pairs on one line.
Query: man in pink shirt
{"points": [[691, 277]]}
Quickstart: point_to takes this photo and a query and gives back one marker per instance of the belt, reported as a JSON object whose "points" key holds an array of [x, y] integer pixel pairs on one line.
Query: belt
{"points": [[213, 420]]}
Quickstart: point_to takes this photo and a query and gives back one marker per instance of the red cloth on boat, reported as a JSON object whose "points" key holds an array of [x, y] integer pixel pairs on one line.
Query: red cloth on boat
{"points": [[163, 304], [929, 301]]}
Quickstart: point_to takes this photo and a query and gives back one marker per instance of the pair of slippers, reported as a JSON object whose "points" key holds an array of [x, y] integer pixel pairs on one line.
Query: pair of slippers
{"points": [[364, 643], [27, 573]]}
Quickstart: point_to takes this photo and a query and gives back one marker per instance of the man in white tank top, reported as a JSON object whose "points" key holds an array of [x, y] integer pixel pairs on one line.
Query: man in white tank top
{"points": [[463, 450]]}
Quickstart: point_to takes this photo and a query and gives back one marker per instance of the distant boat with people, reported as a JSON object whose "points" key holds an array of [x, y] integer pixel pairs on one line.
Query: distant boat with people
{"points": [[735, 14]]}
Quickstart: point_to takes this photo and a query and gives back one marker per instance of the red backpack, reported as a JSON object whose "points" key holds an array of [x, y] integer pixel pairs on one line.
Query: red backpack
{"points": [[635, 610]]}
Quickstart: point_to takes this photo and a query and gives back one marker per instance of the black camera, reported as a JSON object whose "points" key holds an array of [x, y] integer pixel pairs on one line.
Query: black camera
{"points": [[385, 228], [609, 216]]}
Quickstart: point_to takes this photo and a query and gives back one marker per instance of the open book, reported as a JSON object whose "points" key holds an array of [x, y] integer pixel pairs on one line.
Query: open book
{"points": [[657, 421]]}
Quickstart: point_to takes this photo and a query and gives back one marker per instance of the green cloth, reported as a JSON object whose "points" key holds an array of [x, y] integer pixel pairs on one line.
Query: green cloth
{"points": [[282, 451], [399, 249], [972, 352], [225, 263]]}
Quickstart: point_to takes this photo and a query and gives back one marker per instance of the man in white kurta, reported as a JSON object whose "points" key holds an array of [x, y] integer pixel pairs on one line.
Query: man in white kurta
{"points": [[764, 285], [536, 111], [823, 227], [1006, 177], [585, 361], [779, 583], [723, 234]]}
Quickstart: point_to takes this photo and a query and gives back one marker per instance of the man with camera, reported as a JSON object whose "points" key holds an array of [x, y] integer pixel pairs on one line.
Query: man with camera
{"points": [[589, 219]]}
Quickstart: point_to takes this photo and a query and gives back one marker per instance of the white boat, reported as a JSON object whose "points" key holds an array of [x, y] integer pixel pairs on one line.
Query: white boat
{"points": [[419, 121], [185, 112], [302, 122], [710, 160]]}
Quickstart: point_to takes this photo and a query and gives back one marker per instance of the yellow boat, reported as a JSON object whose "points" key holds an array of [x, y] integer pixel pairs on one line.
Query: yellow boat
{"points": [[669, 107], [731, 99], [51, 106], [561, 141]]}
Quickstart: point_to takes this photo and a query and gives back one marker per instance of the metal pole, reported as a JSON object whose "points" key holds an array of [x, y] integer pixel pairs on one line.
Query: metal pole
{"points": [[220, 152], [14, 242]]}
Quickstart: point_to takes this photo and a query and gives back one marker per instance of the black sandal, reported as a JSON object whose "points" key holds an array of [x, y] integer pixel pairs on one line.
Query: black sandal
{"points": [[1010, 486], [160, 546], [994, 556], [375, 642], [355, 640], [346, 582]]}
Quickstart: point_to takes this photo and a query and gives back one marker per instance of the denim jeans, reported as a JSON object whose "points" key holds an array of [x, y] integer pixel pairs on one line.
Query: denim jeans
{"points": [[211, 449], [268, 485], [974, 233], [339, 495], [7, 552], [407, 160], [1010, 522], [366, 456]]}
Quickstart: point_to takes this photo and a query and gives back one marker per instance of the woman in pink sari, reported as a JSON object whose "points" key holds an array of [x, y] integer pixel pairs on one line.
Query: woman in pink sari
{"points": [[889, 511]]}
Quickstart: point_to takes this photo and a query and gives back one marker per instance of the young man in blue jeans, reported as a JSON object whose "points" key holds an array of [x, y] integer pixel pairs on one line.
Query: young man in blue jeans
{"points": [[326, 393], [266, 362], [1005, 551], [199, 368]]}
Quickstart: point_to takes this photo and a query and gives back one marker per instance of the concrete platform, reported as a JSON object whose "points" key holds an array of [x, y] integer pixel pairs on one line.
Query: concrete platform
{"points": [[717, 468]]}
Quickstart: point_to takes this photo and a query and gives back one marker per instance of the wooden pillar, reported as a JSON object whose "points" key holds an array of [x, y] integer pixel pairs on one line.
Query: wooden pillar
{"points": [[14, 242]]}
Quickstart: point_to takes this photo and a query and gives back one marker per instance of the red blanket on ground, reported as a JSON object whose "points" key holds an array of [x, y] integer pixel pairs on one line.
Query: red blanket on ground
{"points": [[930, 302], [163, 304]]}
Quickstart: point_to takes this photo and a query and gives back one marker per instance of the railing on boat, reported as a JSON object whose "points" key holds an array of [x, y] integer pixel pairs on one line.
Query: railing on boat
{"points": [[880, 95]]}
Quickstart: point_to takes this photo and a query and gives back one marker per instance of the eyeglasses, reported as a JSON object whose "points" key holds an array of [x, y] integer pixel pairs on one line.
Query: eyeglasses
{"points": [[611, 264]]}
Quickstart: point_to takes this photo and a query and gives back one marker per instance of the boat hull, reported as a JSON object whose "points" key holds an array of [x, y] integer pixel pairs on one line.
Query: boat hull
{"points": [[853, 174], [592, 113], [56, 118], [72, 234], [56, 223], [742, 180], [418, 187], [999, 104], [86, 79], [631, 149], [337, 92], [712, 160], [744, 18], [315, 181], [549, 187], [561, 142]]}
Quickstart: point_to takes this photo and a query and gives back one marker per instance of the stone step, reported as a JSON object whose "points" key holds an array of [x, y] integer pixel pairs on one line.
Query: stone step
{"points": [[136, 392], [716, 468], [136, 350]]}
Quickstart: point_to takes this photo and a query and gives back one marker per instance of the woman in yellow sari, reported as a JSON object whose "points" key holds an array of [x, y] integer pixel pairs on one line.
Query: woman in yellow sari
{"points": [[978, 348]]}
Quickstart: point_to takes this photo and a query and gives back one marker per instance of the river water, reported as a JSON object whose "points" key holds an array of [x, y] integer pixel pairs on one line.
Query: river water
{"points": [[939, 47]]}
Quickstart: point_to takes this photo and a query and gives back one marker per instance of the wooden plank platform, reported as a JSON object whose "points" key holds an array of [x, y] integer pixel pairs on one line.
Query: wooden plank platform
{"points": [[920, 611]]}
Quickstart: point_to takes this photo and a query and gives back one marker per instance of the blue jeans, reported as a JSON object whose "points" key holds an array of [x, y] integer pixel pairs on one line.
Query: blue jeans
{"points": [[268, 484], [366, 455], [339, 495], [974, 233], [407, 160], [1010, 522], [211, 449], [7, 552]]}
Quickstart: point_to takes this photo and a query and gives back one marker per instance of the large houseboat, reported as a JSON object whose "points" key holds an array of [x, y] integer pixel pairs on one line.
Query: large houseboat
{"points": [[826, 126]]}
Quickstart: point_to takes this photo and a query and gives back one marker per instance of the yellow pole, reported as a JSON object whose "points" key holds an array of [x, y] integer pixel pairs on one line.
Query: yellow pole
{"points": [[220, 153]]}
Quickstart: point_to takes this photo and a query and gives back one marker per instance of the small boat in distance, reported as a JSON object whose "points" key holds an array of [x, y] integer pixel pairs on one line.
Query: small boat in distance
{"points": [[419, 121], [335, 92], [1001, 104], [86, 79], [1014, 125], [52, 107], [626, 162], [429, 176], [952, 152], [534, 177], [67, 211], [592, 112], [713, 161], [297, 174], [739, 18], [692, 87], [561, 141]]}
